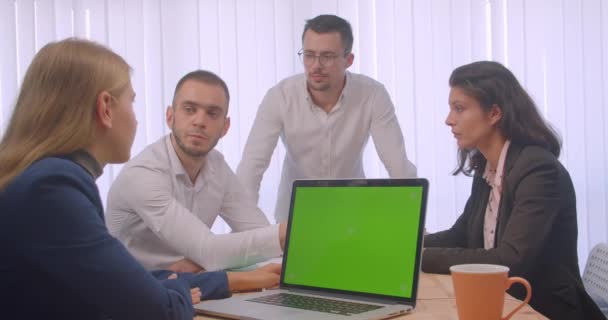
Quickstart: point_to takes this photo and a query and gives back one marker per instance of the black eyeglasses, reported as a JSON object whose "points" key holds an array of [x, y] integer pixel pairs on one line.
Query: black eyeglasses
{"points": [[325, 59]]}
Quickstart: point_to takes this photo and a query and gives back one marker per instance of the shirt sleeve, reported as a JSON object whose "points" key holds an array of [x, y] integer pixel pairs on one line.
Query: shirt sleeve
{"points": [[388, 138], [154, 202], [64, 235], [261, 142], [239, 209]]}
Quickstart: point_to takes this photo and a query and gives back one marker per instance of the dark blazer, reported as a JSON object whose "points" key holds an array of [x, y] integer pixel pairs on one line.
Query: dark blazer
{"points": [[536, 235], [59, 261]]}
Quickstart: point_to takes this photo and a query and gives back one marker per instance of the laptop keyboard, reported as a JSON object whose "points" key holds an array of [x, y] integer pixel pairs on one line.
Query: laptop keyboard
{"points": [[345, 308]]}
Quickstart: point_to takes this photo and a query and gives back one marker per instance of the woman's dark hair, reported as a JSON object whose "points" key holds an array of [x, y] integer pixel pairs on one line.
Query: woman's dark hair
{"points": [[490, 83]]}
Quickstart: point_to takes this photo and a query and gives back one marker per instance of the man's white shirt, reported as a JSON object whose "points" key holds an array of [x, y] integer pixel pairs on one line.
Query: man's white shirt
{"points": [[322, 145], [156, 211]]}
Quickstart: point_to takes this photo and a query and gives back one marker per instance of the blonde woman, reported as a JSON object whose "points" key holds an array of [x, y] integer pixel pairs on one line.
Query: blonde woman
{"points": [[74, 114]]}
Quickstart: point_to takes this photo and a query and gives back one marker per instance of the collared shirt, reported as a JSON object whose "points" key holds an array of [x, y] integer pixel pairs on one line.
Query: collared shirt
{"points": [[321, 145], [494, 179], [156, 211]]}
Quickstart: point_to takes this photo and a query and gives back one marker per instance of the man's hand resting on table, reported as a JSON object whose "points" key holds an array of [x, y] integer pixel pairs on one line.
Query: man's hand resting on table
{"points": [[264, 277]]}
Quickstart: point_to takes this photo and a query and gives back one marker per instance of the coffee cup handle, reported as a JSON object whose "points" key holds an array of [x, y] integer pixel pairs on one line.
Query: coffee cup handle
{"points": [[526, 284]]}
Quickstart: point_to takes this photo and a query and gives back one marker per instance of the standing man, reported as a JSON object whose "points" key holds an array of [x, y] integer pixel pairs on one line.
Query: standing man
{"points": [[324, 118], [164, 201]]}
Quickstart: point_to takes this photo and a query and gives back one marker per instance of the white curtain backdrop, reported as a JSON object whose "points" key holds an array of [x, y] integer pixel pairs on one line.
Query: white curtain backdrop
{"points": [[557, 48]]}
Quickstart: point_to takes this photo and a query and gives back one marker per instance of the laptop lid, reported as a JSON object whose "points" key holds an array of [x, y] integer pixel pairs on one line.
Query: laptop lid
{"points": [[360, 237]]}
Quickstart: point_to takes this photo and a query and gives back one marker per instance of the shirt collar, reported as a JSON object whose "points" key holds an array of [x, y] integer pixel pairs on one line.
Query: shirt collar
{"points": [[174, 162], [494, 179], [178, 168], [88, 162], [347, 86]]}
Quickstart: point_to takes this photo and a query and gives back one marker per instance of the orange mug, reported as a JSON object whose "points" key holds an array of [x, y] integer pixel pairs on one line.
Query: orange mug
{"points": [[480, 291]]}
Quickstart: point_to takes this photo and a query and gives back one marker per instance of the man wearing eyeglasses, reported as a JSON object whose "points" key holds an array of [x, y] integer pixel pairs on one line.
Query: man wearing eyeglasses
{"points": [[324, 118]]}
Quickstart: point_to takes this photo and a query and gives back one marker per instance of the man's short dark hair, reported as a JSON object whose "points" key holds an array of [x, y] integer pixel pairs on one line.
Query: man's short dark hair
{"points": [[203, 76], [327, 23]]}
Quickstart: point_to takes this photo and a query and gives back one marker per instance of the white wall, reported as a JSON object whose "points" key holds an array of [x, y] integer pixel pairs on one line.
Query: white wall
{"points": [[556, 48]]}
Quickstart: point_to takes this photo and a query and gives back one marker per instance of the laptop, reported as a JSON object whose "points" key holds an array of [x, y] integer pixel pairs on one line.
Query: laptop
{"points": [[352, 251]]}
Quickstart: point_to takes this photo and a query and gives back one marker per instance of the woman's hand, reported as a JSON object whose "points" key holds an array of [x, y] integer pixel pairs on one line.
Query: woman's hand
{"points": [[195, 293]]}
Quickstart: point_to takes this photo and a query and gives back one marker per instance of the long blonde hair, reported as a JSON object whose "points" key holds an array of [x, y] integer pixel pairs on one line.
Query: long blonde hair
{"points": [[55, 110]]}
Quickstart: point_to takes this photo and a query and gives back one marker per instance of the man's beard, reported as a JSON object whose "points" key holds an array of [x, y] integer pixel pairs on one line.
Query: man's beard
{"points": [[317, 87], [192, 152]]}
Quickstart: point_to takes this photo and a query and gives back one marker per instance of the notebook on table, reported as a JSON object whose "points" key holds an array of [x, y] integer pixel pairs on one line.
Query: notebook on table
{"points": [[352, 252]]}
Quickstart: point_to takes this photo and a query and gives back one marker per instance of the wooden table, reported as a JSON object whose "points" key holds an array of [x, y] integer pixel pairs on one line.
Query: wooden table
{"points": [[436, 301]]}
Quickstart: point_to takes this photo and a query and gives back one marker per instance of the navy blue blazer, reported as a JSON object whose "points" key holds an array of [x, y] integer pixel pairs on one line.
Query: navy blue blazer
{"points": [[58, 260]]}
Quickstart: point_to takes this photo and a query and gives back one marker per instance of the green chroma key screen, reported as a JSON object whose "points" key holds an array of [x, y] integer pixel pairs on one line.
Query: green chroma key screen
{"points": [[355, 238]]}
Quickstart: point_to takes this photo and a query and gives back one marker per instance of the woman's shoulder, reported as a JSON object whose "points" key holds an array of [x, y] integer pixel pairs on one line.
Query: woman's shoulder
{"points": [[529, 159], [52, 167], [48, 190], [45, 172], [532, 154]]}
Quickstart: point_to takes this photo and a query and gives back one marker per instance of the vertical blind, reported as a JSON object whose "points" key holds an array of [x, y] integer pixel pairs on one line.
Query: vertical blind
{"points": [[556, 48]]}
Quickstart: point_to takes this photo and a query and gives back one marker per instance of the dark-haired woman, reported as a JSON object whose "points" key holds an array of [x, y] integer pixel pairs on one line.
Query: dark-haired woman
{"points": [[522, 208]]}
